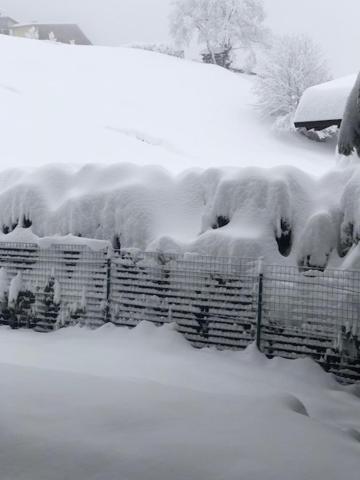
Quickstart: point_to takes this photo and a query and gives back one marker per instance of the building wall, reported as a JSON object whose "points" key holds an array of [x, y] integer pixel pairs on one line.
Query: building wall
{"points": [[26, 31]]}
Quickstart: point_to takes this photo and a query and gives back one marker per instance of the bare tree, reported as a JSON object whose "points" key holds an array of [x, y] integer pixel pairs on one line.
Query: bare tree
{"points": [[293, 64], [219, 24]]}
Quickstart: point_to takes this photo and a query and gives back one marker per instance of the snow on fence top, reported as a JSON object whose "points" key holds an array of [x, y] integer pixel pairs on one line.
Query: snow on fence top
{"points": [[26, 236], [280, 214], [324, 103]]}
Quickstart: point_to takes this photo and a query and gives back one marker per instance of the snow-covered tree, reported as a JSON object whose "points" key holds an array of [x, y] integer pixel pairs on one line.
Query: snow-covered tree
{"points": [[32, 33], [76, 313], [20, 303], [219, 24], [48, 306], [52, 37], [293, 64]]}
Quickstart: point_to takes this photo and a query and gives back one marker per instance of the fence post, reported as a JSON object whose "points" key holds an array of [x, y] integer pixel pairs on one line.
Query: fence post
{"points": [[108, 286], [259, 303]]}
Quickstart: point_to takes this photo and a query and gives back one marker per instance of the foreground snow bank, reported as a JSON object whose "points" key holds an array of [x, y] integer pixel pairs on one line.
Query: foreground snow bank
{"points": [[136, 404]]}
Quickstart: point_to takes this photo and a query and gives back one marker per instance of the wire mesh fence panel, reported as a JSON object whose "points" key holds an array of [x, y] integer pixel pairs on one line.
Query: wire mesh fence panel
{"points": [[211, 300], [313, 313], [214, 301], [65, 284]]}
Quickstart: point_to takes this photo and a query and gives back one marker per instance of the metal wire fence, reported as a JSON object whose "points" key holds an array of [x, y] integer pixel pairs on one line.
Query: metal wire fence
{"points": [[212, 300], [220, 302], [313, 313]]}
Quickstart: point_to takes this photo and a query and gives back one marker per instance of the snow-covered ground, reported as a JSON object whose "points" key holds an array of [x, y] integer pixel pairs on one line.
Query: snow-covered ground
{"points": [[138, 404], [142, 403], [70, 104]]}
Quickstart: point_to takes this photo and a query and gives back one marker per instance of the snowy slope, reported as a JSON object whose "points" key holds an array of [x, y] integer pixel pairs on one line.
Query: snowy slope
{"points": [[70, 104], [143, 404]]}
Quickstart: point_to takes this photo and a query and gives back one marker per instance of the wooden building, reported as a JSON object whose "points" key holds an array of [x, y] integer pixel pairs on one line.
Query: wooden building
{"points": [[63, 33], [322, 106], [6, 23]]}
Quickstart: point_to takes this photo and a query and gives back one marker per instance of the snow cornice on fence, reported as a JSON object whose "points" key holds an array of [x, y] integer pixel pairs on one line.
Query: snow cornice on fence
{"points": [[22, 235]]}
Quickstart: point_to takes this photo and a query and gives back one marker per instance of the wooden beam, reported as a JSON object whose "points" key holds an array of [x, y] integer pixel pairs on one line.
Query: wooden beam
{"points": [[318, 124]]}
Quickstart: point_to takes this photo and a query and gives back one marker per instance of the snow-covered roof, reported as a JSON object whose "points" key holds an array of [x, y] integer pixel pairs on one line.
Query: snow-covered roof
{"points": [[63, 32], [325, 102]]}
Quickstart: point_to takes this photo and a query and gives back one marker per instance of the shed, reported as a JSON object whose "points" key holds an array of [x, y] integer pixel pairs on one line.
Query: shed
{"points": [[323, 105], [6, 23], [63, 33]]}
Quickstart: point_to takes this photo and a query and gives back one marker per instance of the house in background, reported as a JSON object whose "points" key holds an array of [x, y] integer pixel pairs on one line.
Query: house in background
{"points": [[57, 32], [6, 23]]}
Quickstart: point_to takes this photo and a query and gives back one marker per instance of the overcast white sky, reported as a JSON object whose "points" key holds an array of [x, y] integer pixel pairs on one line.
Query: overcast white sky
{"points": [[333, 24]]}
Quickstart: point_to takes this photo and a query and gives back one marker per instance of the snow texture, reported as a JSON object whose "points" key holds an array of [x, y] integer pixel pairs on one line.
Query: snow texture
{"points": [[142, 404], [280, 213], [26, 235]]}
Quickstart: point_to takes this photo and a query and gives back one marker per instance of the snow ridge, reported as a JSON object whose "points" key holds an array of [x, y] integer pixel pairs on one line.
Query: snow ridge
{"points": [[281, 214]]}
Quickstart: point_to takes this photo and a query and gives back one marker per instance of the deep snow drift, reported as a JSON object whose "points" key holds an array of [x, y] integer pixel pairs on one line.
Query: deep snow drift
{"points": [[142, 403], [282, 214]]}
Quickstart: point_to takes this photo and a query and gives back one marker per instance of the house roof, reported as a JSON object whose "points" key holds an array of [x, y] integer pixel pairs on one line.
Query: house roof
{"points": [[64, 33], [6, 21], [323, 105]]}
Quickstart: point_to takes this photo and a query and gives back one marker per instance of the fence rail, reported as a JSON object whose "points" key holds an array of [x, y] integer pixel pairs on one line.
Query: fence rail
{"points": [[220, 302]]}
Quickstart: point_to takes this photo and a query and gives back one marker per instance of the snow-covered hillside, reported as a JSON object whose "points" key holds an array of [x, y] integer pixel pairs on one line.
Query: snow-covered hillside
{"points": [[72, 104], [135, 109], [142, 403]]}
